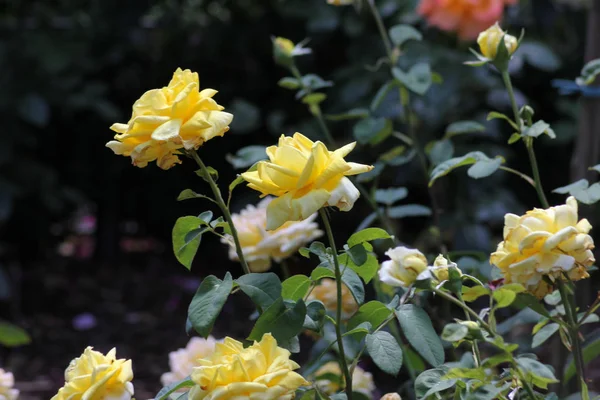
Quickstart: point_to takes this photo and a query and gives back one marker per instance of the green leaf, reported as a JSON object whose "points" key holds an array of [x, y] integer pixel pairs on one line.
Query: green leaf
{"points": [[187, 234], [354, 284], [591, 318], [544, 334], [355, 113], [440, 387], [173, 387], [295, 288], [409, 210], [247, 156], [208, 302], [482, 166], [390, 195], [315, 314], [314, 98], [13, 336], [440, 151], [289, 83], [400, 34], [428, 379], [589, 73], [358, 254], [487, 392], [462, 128], [539, 128], [503, 297], [466, 373], [454, 332], [372, 130], [373, 312], [582, 191], [263, 288], [367, 270], [247, 116], [539, 55], [514, 138], [475, 292], [381, 94], [281, 320], [417, 79], [536, 372], [385, 352], [528, 300], [315, 82], [187, 194], [320, 273], [367, 235], [418, 329], [497, 115], [211, 173], [360, 330]]}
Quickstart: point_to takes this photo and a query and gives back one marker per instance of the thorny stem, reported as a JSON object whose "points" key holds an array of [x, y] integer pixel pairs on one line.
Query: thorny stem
{"points": [[528, 140], [338, 318], [571, 315], [221, 203]]}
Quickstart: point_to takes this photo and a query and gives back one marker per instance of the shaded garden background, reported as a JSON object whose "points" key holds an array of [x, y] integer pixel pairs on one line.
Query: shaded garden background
{"points": [[85, 256]]}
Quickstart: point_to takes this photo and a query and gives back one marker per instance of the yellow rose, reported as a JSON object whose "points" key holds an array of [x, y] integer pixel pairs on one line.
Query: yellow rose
{"points": [[95, 376], [262, 371], [340, 2], [403, 268], [391, 396], [362, 381], [166, 120], [545, 243], [183, 361], [304, 176], [261, 246], [7, 381], [326, 293], [440, 268], [489, 40]]}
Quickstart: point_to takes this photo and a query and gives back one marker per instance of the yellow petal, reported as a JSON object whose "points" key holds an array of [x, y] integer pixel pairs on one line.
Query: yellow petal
{"points": [[167, 131]]}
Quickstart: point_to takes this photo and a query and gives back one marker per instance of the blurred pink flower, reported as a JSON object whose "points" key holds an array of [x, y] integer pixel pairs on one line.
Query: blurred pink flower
{"points": [[465, 17]]}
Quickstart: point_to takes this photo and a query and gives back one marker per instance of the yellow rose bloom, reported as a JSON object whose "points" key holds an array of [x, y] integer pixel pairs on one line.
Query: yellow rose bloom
{"points": [[262, 371], [7, 381], [166, 120], [183, 361], [95, 376], [304, 176], [440, 268], [326, 293], [489, 40], [259, 245], [362, 381], [403, 268], [545, 243]]}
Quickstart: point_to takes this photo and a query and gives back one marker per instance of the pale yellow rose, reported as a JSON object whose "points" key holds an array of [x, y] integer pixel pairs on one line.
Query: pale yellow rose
{"points": [[183, 361], [403, 268], [95, 376], [259, 245], [489, 40], [326, 293], [7, 383], [545, 243], [262, 371], [165, 121], [362, 381], [340, 2], [304, 176], [439, 269], [391, 396]]}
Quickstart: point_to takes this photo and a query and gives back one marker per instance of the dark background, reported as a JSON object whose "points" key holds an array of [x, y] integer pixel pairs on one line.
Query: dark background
{"points": [[69, 69]]}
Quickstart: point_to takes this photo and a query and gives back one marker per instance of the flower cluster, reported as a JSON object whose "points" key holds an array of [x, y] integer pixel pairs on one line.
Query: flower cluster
{"points": [[362, 381], [466, 17], [167, 120], [304, 176], [262, 371], [326, 293], [259, 245], [545, 244], [7, 383], [183, 361], [94, 375]]}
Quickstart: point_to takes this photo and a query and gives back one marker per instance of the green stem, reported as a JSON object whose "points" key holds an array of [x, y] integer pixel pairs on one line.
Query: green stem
{"points": [[377, 210], [475, 345], [338, 319], [528, 140], [382, 31], [221, 203], [527, 178], [570, 313], [285, 269]]}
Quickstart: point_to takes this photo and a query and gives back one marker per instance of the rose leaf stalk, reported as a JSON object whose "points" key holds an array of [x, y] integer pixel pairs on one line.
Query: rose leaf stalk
{"points": [[571, 314], [223, 206], [338, 316]]}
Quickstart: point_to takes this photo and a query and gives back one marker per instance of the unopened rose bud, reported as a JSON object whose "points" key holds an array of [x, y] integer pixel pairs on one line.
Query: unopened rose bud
{"points": [[489, 41]]}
